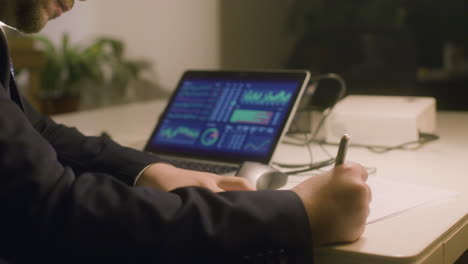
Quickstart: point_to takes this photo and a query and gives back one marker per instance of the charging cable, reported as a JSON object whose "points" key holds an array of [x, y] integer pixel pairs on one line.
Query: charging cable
{"points": [[315, 80]]}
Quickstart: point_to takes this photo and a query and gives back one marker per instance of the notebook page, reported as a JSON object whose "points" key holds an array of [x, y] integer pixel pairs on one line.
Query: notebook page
{"points": [[391, 198]]}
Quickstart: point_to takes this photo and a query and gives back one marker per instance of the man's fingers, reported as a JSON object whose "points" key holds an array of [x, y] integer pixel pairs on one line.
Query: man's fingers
{"points": [[369, 193], [230, 183], [215, 188], [364, 173], [356, 169]]}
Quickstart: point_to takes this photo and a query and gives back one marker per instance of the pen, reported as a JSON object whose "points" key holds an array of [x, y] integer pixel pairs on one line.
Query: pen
{"points": [[341, 155]]}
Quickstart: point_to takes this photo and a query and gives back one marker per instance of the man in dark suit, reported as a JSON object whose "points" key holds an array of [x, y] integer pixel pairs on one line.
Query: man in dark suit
{"points": [[68, 198]]}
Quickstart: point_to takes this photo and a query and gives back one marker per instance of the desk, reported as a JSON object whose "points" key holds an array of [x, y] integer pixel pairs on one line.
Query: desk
{"points": [[435, 233]]}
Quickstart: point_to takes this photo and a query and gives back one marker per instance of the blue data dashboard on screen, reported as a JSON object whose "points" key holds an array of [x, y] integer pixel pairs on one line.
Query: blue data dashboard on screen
{"points": [[226, 117]]}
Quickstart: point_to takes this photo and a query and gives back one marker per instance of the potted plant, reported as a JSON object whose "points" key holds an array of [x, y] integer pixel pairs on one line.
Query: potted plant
{"points": [[98, 71]]}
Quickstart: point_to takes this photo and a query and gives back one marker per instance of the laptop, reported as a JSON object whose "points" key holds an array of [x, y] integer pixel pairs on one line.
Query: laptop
{"points": [[216, 120]]}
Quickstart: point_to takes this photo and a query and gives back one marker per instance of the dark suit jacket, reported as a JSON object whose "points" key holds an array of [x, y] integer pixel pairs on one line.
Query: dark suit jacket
{"points": [[67, 198]]}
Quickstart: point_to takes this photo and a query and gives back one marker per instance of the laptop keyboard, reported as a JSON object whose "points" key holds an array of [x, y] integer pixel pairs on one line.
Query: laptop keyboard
{"points": [[207, 167]]}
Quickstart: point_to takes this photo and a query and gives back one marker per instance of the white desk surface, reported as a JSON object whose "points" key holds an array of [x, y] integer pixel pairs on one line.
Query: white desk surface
{"points": [[434, 233]]}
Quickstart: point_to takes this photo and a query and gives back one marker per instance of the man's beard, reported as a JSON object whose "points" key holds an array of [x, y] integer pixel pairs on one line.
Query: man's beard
{"points": [[30, 18]]}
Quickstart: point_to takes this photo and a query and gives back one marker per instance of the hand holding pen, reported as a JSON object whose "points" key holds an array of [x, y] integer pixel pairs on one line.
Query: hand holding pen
{"points": [[337, 201]]}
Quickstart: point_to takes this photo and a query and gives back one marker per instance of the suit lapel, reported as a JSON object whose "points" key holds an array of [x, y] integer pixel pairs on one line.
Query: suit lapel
{"points": [[7, 74], [14, 94], [4, 62]]}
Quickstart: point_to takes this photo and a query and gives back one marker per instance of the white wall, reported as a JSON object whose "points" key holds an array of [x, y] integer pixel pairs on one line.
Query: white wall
{"points": [[180, 34], [173, 34], [80, 23]]}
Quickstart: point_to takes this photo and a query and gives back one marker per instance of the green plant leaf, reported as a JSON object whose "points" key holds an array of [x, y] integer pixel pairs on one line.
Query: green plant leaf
{"points": [[100, 64]]}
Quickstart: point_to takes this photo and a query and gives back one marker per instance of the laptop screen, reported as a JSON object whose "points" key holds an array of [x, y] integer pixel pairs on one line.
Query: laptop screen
{"points": [[228, 116]]}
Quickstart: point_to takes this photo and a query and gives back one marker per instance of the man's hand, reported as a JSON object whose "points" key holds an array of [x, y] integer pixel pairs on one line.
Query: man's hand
{"points": [[337, 203], [167, 177]]}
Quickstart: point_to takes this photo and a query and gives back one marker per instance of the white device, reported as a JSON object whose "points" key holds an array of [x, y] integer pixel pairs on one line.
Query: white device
{"points": [[385, 121], [262, 176]]}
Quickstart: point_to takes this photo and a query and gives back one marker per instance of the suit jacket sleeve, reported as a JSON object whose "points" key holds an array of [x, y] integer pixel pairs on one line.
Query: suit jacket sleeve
{"points": [[89, 154], [50, 214]]}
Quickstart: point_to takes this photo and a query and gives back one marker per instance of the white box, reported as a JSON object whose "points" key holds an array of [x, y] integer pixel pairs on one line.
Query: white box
{"points": [[385, 121]]}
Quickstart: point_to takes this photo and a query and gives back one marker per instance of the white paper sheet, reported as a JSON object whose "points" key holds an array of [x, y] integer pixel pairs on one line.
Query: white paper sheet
{"points": [[391, 198]]}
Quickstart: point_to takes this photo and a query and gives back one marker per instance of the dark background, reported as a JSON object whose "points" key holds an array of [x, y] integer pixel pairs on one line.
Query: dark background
{"points": [[380, 47]]}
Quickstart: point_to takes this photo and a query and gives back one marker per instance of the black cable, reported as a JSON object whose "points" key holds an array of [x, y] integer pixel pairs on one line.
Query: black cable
{"points": [[325, 113], [313, 166], [341, 93], [424, 138]]}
